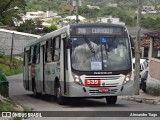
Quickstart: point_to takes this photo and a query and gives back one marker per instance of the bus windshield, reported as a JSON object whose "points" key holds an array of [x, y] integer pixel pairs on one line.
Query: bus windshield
{"points": [[110, 53]]}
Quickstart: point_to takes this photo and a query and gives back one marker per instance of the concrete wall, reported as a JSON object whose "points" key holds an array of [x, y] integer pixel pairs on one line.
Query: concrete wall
{"points": [[154, 69], [153, 81], [19, 41]]}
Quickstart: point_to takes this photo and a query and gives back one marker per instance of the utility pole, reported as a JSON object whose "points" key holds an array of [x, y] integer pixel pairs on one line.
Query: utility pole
{"points": [[11, 50], [77, 7], [77, 3], [137, 50]]}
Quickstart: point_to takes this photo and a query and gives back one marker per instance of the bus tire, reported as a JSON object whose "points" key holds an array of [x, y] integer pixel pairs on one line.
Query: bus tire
{"points": [[111, 100], [60, 98]]}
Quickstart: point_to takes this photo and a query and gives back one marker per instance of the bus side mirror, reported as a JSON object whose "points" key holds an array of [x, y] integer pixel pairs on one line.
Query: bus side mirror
{"points": [[67, 44], [66, 40]]}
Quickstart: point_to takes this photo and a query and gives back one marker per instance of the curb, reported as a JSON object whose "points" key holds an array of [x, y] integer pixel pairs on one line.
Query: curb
{"points": [[141, 100]]}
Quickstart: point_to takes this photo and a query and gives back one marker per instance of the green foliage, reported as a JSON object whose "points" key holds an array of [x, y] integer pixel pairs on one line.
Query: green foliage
{"points": [[5, 66], [49, 29], [88, 13], [53, 21], [35, 27], [1, 54], [34, 5], [30, 26], [10, 9], [1, 24], [151, 23], [125, 10], [117, 12], [7, 106]]}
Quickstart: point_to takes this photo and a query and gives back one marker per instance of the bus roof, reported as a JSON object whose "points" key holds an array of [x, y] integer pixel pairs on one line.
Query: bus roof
{"points": [[48, 36], [97, 24], [65, 28]]}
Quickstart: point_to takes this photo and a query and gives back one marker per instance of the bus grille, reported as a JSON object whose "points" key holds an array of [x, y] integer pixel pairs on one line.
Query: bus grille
{"points": [[108, 77]]}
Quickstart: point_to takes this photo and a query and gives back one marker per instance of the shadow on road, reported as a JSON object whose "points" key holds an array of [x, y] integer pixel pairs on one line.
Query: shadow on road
{"points": [[77, 102]]}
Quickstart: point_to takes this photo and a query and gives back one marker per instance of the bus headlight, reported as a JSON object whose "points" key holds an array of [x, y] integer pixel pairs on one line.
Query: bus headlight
{"points": [[127, 78], [77, 80]]}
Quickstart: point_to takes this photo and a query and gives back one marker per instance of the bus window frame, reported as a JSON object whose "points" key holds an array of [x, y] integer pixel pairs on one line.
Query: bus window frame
{"points": [[47, 50], [29, 56], [53, 47], [56, 48], [37, 54]]}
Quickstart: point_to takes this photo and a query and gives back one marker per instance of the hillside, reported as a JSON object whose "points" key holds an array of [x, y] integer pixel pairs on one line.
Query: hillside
{"points": [[56, 4], [125, 10], [17, 66]]}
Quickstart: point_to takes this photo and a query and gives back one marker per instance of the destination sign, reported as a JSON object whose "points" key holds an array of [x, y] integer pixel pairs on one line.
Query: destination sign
{"points": [[99, 30]]}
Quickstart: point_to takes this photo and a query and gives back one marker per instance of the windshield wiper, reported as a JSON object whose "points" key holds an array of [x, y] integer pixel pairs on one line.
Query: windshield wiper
{"points": [[111, 45], [89, 45]]}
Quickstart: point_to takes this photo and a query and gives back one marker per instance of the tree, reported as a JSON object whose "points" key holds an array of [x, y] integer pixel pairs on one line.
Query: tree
{"points": [[10, 9], [49, 29], [29, 26], [117, 12], [88, 13], [151, 23]]}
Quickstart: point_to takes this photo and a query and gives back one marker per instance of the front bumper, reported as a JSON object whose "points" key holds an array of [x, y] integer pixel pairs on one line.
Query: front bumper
{"points": [[76, 90]]}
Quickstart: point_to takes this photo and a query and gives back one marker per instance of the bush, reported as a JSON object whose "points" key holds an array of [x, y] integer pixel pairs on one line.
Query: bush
{"points": [[5, 66], [1, 55], [49, 29]]}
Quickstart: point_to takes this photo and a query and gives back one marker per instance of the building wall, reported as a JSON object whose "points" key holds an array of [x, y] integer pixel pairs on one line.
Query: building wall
{"points": [[153, 80], [154, 69], [19, 41]]}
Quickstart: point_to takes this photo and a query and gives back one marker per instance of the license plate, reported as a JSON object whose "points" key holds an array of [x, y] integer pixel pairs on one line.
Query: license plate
{"points": [[92, 82], [103, 90]]}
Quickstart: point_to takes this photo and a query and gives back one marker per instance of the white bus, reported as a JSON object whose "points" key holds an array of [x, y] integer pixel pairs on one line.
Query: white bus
{"points": [[82, 60]]}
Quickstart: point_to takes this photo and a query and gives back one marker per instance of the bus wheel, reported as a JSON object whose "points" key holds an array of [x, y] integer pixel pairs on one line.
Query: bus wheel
{"points": [[59, 97], [111, 100]]}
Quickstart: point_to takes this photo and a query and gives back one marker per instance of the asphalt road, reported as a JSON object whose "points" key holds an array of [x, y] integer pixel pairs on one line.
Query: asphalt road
{"points": [[46, 103]]}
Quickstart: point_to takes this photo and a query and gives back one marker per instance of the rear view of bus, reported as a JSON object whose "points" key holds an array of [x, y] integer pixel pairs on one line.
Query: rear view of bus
{"points": [[99, 63]]}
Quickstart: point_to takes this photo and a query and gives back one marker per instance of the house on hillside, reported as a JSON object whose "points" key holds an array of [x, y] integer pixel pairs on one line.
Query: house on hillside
{"points": [[44, 16], [34, 15], [109, 20], [93, 7], [144, 41], [39, 15], [112, 5], [148, 8], [81, 18]]}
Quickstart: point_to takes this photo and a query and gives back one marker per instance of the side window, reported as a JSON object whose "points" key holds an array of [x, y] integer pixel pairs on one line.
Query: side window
{"points": [[34, 54], [29, 56], [48, 51], [56, 49], [37, 54]]}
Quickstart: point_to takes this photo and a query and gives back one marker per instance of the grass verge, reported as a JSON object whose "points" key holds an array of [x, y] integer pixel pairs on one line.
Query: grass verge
{"points": [[16, 68], [7, 105]]}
